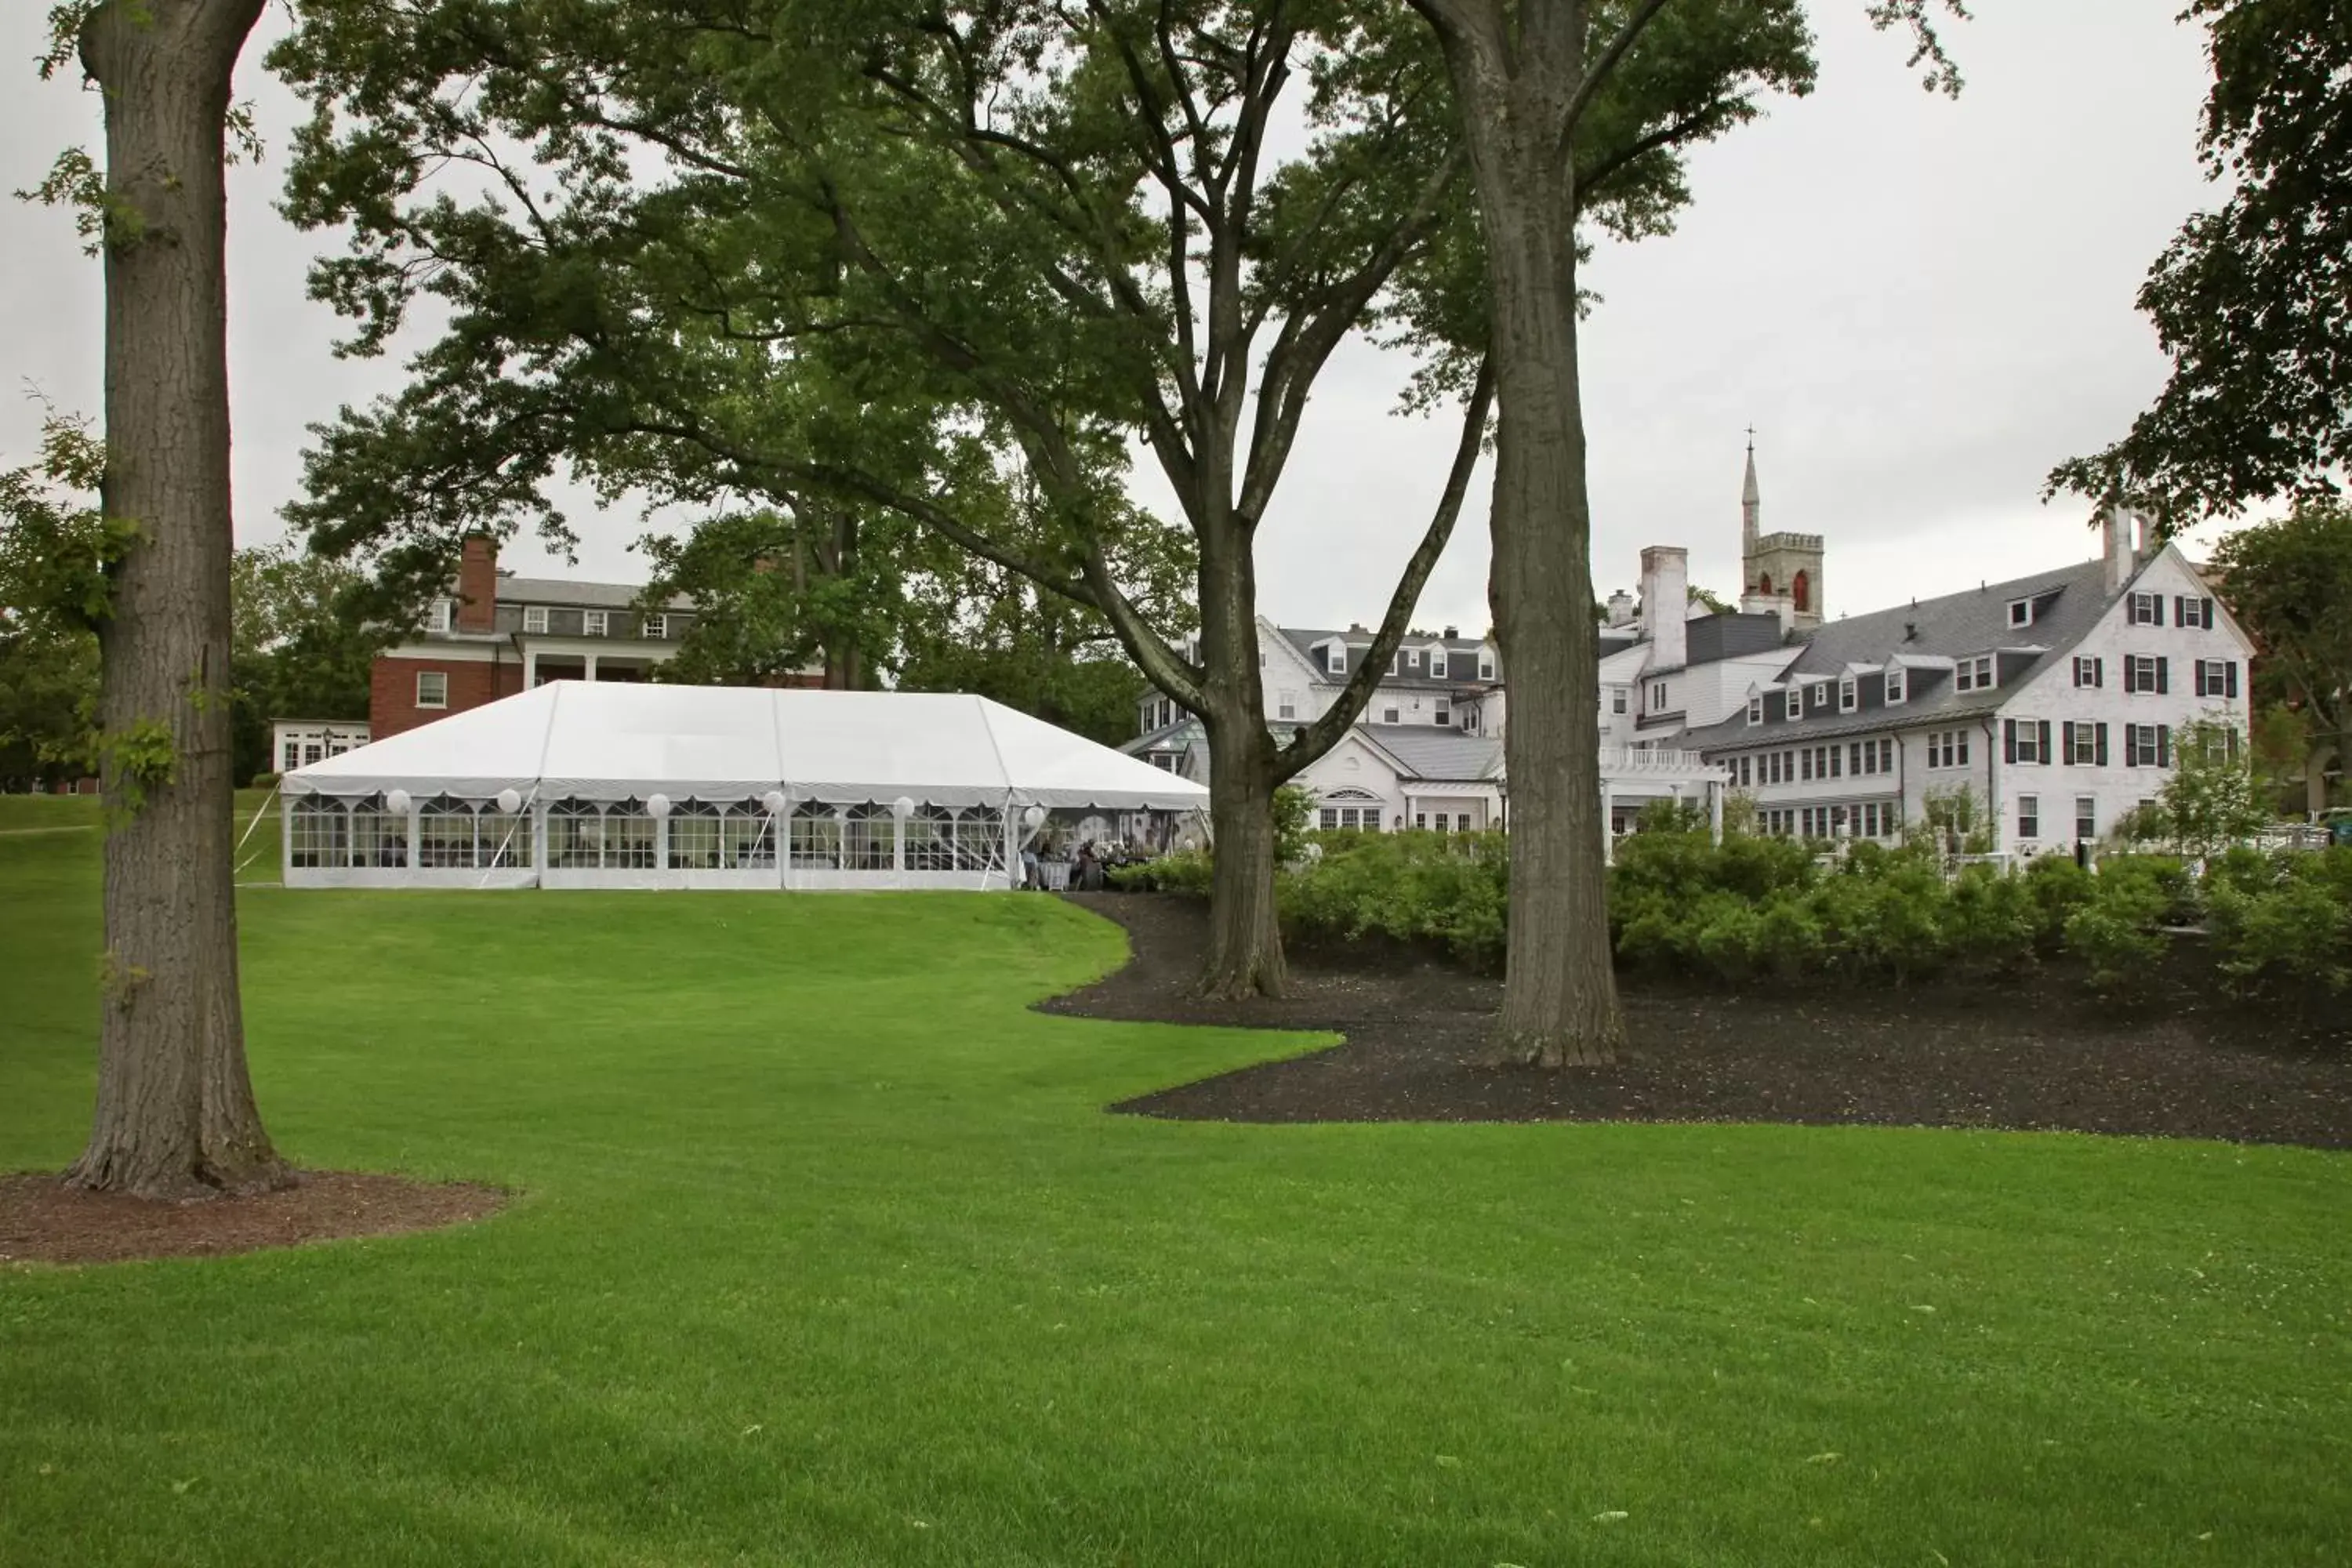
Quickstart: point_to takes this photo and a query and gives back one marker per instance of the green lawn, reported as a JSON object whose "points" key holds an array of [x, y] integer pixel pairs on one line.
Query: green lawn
{"points": [[828, 1254]]}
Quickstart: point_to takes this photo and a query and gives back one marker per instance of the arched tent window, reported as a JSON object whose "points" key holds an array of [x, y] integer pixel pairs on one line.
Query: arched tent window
{"points": [[930, 840], [816, 837], [632, 839], [694, 837], [322, 834], [746, 837], [447, 834], [866, 838], [379, 837], [1801, 589], [978, 840], [575, 836]]}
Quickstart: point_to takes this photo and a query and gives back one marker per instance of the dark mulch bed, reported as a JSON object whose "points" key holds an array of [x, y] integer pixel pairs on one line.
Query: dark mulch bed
{"points": [[2037, 1054], [42, 1220]]}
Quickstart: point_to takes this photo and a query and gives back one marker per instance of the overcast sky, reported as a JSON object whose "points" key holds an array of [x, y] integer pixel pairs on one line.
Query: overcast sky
{"points": [[1921, 304]]}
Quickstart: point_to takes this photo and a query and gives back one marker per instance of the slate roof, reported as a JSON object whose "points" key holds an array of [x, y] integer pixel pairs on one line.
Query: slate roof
{"points": [[2069, 602], [563, 591], [1434, 754], [1461, 653]]}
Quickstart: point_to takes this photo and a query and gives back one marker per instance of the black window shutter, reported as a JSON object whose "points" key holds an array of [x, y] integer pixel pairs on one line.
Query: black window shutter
{"points": [[2207, 617], [2066, 743], [2230, 680], [2008, 739], [2042, 749], [2098, 672], [2163, 674], [2099, 740], [2164, 745]]}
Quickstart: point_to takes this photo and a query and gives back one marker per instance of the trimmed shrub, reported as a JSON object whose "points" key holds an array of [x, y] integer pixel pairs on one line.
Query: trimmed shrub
{"points": [[2115, 930], [1183, 871], [2295, 932]]}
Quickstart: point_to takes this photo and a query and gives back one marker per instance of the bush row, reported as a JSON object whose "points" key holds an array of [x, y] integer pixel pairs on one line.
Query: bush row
{"points": [[1757, 909]]}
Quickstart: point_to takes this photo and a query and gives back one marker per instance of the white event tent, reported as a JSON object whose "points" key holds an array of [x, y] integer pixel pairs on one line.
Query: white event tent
{"points": [[614, 785]]}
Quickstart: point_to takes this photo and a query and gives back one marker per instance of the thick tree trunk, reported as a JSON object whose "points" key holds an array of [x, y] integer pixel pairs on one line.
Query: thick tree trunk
{"points": [[1245, 938], [175, 1113], [1560, 995]]}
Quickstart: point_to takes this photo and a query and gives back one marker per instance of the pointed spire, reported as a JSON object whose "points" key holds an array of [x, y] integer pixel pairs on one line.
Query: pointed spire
{"points": [[1748, 492], [1751, 510]]}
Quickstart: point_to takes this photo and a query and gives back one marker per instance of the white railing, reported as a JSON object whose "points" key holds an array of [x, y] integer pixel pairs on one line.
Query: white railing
{"points": [[1633, 760]]}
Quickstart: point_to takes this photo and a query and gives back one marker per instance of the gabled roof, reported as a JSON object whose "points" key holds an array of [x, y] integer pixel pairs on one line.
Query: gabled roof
{"points": [[1303, 639], [1427, 753], [2069, 602], [563, 593]]}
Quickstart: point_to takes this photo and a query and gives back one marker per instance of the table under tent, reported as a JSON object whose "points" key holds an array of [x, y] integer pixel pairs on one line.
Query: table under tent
{"points": [[613, 784]]}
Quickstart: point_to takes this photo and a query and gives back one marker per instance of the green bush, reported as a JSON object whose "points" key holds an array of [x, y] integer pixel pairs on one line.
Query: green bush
{"points": [[1449, 889], [2295, 930], [2059, 887], [1993, 920], [2114, 930], [1181, 871]]}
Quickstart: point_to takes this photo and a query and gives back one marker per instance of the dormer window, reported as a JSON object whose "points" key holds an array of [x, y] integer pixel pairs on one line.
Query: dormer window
{"points": [[2021, 613], [534, 619], [1335, 659], [1756, 710], [592, 623], [1896, 690], [1849, 694], [655, 628], [1796, 703], [1821, 693], [1485, 667], [443, 614], [1412, 657], [1437, 664], [1657, 697], [1974, 674]]}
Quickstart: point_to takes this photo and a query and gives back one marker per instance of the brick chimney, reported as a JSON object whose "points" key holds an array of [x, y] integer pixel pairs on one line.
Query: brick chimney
{"points": [[478, 585]]}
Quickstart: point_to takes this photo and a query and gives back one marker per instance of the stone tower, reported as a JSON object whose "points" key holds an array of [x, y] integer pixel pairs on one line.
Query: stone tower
{"points": [[1778, 565]]}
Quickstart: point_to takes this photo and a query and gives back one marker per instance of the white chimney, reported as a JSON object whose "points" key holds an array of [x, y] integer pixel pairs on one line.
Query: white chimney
{"points": [[1781, 605], [1665, 601], [1620, 608], [2117, 529]]}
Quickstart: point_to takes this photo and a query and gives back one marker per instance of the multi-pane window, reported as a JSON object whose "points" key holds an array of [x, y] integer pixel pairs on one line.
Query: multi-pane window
{"points": [[930, 840], [1744, 772], [444, 614], [2216, 677], [2147, 672], [458, 836], [1849, 694], [1485, 667], [2148, 745], [1974, 674], [1335, 659], [2086, 817], [694, 837], [1617, 700], [1437, 664], [1287, 705], [534, 619], [1657, 697], [2192, 610], [1444, 711], [1947, 749], [2084, 744], [1887, 754], [1796, 703], [1896, 691], [1805, 765], [1388, 715], [2026, 740], [2028, 816], [1756, 710], [816, 841], [432, 689], [2089, 672], [867, 834], [654, 627], [2146, 609], [593, 623]]}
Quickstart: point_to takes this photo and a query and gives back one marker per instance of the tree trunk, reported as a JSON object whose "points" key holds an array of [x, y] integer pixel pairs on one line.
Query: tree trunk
{"points": [[2315, 777], [1559, 993], [176, 1114], [1244, 937]]}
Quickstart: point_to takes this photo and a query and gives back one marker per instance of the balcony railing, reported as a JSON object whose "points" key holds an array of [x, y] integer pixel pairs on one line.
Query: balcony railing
{"points": [[1622, 759]]}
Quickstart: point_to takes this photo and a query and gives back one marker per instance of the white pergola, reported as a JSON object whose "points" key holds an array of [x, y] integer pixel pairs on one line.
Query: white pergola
{"points": [[607, 784]]}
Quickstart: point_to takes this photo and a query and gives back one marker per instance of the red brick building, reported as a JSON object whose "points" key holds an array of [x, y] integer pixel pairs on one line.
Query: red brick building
{"points": [[499, 634]]}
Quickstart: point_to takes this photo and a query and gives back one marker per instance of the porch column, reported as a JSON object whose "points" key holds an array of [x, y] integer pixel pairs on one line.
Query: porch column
{"points": [[531, 669], [1608, 822], [591, 667], [1715, 809]]}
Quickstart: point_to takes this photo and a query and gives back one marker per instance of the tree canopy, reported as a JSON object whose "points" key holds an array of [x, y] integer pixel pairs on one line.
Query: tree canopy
{"points": [[2253, 300], [2289, 582]]}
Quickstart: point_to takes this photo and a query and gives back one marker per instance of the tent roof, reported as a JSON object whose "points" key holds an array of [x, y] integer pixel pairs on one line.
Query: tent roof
{"points": [[616, 741]]}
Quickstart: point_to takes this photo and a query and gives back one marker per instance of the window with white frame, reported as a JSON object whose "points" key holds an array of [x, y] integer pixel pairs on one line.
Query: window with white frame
{"points": [[1485, 667], [534, 619], [2084, 745], [2028, 816], [2216, 677], [868, 837], [2086, 817], [930, 840], [1795, 705], [1947, 749], [444, 614], [432, 689], [694, 836], [1444, 711], [747, 836], [1756, 710], [1657, 697], [978, 840], [1388, 715], [656, 626], [2192, 610], [2147, 672], [1437, 666], [2027, 740], [2089, 672], [312, 752], [1974, 674], [1617, 700], [1335, 659], [1821, 693], [2146, 609], [1286, 705], [1412, 658], [1898, 689], [594, 623], [2148, 745], [1849, 694], [2021, 613]]}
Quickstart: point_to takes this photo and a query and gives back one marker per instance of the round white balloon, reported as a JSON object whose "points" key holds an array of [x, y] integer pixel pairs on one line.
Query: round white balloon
{"points": [[657, 806], [396, 802], [1034, 817], [902, 808], [774, 801], [509, 802]]}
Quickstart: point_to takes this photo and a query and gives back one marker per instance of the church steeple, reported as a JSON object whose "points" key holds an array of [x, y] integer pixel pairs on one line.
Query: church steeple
{"points": [[1751, 510]]}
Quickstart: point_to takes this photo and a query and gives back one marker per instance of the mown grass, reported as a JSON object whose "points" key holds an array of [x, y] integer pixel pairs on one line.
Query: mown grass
{"points": [[827, 1254]]}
